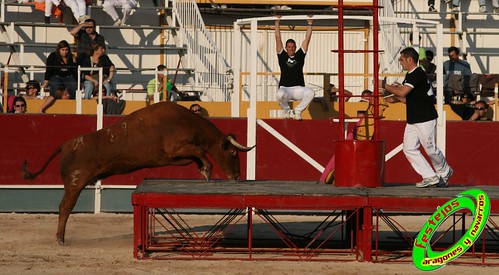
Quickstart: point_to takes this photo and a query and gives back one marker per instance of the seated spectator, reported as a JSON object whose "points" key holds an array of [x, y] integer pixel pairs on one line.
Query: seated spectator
{"points": [[197, 109], [332, 96], [488, 84], [431, 6], [366, 96], [61, 93], [481, 3], [158, 83], [61, 70], [98, 58], [19, 105], [334, 93], [127, 7], [429, 67], [49, 7], [480, 114], [32, 90], [112, 105], [78, 7]]}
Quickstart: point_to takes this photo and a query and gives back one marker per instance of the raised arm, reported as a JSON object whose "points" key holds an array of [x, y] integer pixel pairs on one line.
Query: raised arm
{"points": [[74, 31], [278, 41], [306, 41]]}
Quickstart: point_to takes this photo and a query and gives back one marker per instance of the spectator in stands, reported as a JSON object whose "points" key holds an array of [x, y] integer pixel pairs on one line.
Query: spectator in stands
{"points": [[481, 3], [366, 96], [19, 105], [429, 67], [78, 7], [334, 92], [421, 51], [292, 82], [33, 90], [431, 6], [457, 75], [86, 36], [49, 9], [197, 109], [127, 7], [61, 93], [112, 105], [61, 70], [333, 97], [98, 58], [480, 113], [158, 83]]}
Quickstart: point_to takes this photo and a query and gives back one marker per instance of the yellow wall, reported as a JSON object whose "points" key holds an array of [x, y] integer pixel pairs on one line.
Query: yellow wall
{"points": [[316, 110]]}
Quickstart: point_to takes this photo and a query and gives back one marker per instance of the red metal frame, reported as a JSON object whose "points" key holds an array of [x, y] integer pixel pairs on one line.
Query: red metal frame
{"points": [[155, 214], [341, 64], [162, 231]]}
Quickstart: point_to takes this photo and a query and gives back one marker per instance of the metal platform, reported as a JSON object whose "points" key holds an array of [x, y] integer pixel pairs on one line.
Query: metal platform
{"points": [[344, 223]]}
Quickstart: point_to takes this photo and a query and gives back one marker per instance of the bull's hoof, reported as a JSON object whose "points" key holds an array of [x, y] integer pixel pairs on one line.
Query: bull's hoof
{"points": [[60, 241], [206, 172]]}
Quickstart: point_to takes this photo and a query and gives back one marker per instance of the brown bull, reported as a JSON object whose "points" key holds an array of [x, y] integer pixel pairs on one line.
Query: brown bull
{"points": [[159, 135]]}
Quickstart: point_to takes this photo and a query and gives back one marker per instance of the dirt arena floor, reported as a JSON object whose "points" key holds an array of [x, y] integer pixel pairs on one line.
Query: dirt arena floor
{"points": [[102, 244]]}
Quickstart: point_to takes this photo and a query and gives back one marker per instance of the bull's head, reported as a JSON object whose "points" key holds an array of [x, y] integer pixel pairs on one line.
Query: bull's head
{"points": [[228, 158]]}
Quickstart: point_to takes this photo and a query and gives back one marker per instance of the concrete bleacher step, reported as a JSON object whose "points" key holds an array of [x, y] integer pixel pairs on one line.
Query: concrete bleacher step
{"points": [[143, 44]]}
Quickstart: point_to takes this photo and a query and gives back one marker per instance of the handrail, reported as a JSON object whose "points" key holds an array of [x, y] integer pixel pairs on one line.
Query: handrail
{"points": [[391, 40], [212, 69]]}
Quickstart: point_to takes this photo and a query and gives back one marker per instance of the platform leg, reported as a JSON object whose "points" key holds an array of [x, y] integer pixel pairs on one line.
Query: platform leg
{"points": [[136, 230], [250, 231], [365, 229]]}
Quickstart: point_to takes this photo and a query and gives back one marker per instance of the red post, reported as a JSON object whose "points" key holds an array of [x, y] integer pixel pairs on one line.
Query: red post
{"points": [[364, 240]]}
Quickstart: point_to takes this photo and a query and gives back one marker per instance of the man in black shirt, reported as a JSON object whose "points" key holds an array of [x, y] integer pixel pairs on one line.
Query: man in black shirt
{"points": [[86, 36], [416, 93]]}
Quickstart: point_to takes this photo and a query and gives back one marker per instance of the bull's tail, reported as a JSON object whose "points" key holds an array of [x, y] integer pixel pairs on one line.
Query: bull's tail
{"points": [[28, 175]]}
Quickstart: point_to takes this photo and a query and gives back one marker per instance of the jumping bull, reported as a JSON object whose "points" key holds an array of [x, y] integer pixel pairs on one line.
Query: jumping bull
{"points": [[159, 135]]}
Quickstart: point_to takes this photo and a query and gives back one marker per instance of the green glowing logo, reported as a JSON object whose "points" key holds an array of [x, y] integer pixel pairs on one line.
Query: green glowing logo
{"points": [[474, 200]]}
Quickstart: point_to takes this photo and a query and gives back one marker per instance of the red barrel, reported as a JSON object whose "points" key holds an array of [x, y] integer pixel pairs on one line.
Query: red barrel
{"points": [[359, 163]]}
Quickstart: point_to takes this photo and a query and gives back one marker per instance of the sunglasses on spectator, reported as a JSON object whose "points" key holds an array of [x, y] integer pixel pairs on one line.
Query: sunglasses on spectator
{"points": [[21, 105], [479, 108], [196, 110], [31, 87]]}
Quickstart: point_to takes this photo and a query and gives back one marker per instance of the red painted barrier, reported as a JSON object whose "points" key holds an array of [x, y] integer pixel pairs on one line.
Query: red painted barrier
{"points": [[471, 149]]}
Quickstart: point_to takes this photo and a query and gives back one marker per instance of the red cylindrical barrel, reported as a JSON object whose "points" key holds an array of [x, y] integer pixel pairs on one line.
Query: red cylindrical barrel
{"points": [[359, 163]]}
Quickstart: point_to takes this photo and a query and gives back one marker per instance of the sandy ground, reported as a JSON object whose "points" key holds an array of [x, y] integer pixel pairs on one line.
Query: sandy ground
{"points": [[102, 244]]}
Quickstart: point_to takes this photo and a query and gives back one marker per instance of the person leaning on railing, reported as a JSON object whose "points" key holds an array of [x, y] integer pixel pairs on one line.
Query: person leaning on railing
{"points": [[61, 70]]}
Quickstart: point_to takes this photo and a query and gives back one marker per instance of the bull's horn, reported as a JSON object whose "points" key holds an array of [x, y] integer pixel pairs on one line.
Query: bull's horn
{"points": [[239, 146]]}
